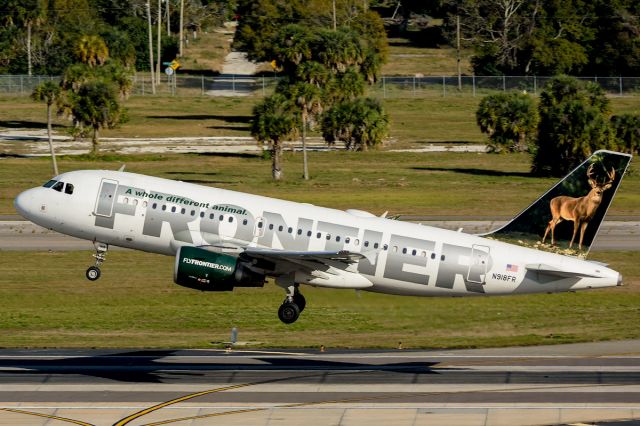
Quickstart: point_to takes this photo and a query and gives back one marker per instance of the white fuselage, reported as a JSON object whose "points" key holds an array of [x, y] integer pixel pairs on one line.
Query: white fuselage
{"points": [[159, 215]]}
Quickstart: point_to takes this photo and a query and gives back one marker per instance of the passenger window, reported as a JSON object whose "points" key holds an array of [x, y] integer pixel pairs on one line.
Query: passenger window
{"points": [[68, 189], [375, 245], [125, 200], [308, 233], [442, 257], [433, 255], [413, 252], [290, 230], [221, 217], [280, 228], [58, 186], [193, 212], [244, 222], [385, 247], [201, 214], [318, 235], [337, 238], [395, 249], [164, 207], [183, 211], [230, 219], [328, 237], [154, 205], [173, 209], [299, 231], [271, 226], [211, 216], [259, 224], [144, 204], [135, 201], [366, 243], [346, 240], [50, 183]]}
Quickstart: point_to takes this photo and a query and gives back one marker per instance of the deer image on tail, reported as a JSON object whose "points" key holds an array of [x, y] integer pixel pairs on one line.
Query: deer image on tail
{"points": [[579, 210]]}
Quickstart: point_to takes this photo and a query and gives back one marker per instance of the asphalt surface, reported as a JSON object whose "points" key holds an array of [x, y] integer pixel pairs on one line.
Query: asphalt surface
{"points": [[552, 384]]}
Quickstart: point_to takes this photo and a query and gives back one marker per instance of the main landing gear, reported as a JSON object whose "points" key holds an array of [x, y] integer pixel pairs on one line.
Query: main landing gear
{"points": [[93, 272], [292, 305]]}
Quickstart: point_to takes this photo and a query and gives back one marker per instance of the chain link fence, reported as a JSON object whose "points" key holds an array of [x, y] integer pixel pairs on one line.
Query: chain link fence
{"points": [[387, 87]]}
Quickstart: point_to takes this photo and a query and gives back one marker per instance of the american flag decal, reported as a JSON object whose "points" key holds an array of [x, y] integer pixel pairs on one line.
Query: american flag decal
{"points": [[512, 268]]}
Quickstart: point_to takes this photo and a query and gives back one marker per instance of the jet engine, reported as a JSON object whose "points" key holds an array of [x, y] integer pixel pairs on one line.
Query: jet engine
{"points": [[209, 271]]}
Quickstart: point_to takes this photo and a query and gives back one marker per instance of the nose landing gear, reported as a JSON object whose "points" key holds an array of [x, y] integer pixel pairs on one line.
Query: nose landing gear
{"points": [[93, 272]]}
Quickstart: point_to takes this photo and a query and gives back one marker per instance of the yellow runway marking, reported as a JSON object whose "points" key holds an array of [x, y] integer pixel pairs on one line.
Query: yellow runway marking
{"points": [[146, 411], [47, 416]]}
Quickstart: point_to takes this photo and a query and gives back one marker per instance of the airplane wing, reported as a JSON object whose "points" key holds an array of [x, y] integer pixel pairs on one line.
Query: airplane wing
{"points": [[343, 256], [556, 271]]}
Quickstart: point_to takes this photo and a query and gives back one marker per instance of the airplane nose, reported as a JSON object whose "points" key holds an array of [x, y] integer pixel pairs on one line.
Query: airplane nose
{"points": [[25, 203]]}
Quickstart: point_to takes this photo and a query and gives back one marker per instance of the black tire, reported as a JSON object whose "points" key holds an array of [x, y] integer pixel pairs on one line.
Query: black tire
{"points": [[299, 300], [93, 273], [288, 312]]}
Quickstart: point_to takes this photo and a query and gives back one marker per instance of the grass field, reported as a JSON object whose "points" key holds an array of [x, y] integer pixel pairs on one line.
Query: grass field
{"points": [[47, 302]]}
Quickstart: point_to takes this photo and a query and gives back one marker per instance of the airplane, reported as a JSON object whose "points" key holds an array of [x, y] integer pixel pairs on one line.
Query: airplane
{"points": [[224, 239]]}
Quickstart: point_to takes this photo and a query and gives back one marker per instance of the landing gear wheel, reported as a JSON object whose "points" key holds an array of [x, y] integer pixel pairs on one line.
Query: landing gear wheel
{"points": [[299, 300], [288, 312], [93, 273]]}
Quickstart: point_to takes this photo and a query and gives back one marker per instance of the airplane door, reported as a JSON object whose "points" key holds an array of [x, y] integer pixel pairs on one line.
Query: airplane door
{"points": [[479, 264], [261, 224], [106, 198]]}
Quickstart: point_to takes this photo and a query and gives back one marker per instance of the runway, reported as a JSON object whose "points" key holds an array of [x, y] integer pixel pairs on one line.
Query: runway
{"points": [[510, 386]]}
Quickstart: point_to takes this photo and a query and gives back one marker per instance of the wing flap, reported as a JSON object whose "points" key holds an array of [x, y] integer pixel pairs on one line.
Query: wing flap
{"points": [[343, 256]]}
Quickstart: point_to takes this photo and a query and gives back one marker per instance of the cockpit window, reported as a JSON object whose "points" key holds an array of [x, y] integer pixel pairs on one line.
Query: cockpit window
{"points": [[68, 189], [50, 183], [58, 186]]}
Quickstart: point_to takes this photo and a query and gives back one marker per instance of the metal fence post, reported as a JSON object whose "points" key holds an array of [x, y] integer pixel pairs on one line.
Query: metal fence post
{"points": [[202, 84], [143, 85], [233, 83], [504, 83], [21, 84], [620, 84], [535, 85], [263, 87], [384, 88], [444, 86], [473, 81], [414, 85]]}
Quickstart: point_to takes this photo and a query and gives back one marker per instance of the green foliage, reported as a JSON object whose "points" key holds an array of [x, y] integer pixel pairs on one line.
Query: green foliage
{"points": [[627, 130], [549, 37], [573, 124], [96, 104], [361, 123], [273, 120], [510, 119]]}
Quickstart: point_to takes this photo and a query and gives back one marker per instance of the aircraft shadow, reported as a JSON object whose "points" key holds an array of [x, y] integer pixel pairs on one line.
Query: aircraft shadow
{"points": [[146, 367]]}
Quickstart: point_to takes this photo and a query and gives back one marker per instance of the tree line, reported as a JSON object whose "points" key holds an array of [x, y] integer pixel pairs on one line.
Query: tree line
{"points": [[42, 36], [570, 120]]}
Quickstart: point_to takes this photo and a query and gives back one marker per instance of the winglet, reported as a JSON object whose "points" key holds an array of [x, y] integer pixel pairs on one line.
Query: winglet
{"points": [[591, 186], [121, 169]]}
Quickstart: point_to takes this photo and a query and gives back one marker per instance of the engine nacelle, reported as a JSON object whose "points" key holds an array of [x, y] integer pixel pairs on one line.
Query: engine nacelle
{"points": [[209, 271]]}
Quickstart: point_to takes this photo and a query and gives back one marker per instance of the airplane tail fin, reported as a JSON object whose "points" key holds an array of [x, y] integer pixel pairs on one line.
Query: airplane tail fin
{"points": [[584, 195]]}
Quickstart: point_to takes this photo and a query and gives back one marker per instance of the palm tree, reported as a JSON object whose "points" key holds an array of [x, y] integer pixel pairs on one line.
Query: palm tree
{"points": [[92, 50], [48, 92], [96, 105], [273, 120], [308, 98]]}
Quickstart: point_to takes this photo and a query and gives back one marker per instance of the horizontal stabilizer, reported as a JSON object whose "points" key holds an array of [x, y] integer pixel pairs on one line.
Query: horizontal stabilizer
{"points": [[542, 268]]}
